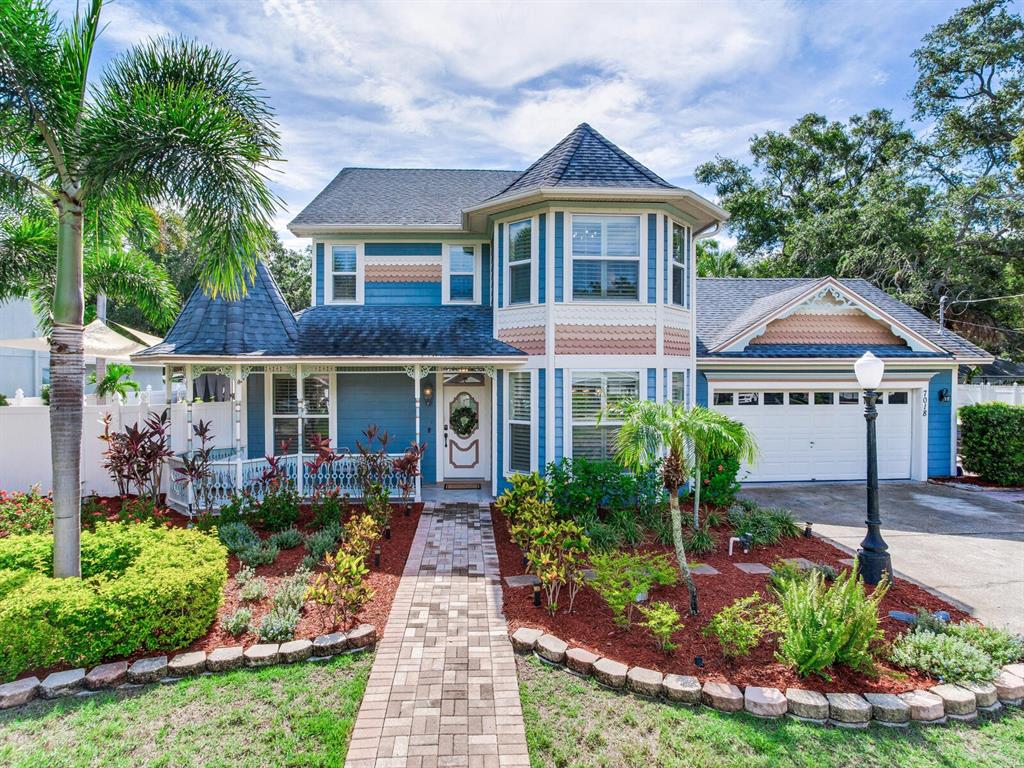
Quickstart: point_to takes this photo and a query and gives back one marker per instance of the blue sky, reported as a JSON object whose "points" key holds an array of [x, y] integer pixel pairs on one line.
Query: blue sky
{"points": [[493, 85]]}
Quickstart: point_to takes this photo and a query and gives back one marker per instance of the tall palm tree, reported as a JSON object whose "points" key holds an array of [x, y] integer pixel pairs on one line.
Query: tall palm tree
{"points": [[170, 121], [680, 438]]}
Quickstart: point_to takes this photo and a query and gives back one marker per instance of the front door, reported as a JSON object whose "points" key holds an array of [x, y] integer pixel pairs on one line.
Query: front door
{"points": [[466, 431]]}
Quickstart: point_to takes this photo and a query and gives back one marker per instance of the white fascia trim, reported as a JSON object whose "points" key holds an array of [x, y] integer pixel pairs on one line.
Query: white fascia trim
{"points": [[446, 362], [308, 230], [773, 363], [601, 193]]}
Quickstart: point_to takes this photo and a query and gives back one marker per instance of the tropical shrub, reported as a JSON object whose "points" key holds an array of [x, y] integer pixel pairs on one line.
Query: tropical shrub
{"points": [[278, 626], [719, 478], [739, 626], [582, 488], [557, 554], [360, 533], [992, 442], [237, 537], [134, 457], [663, 622], [827, 625], [533, 514], [341, 590], [239, 622], [278, 510], [766, 525], [143, 588], [289, 538], [22, 513], [525, 489], [700, 542], [326, 507], [622, 577], [942, 655], [253, 589]]}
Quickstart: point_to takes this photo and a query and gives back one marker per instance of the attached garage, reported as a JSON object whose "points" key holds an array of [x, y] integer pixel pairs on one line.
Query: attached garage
{"points": [[819, 433]]}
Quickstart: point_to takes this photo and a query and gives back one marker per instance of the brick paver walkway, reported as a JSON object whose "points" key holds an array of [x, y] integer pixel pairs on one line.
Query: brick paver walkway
{"points": [[443, 688]]}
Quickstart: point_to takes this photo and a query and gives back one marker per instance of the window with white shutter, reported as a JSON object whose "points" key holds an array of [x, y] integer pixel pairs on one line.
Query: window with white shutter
{"points": [[344, 264], [592, 393], [519, 418], [680, 258], [606, 258], [285, 412], [520, 261]]}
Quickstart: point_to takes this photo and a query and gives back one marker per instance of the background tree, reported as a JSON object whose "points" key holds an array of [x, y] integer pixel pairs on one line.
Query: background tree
{"points": [[169, 121], [293, 271], [714, 261]]}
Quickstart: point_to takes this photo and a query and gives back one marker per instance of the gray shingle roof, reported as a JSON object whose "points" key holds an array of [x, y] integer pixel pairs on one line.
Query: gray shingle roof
{"points": [[728, 305], [258, 324], [403, 197], [401, 331], [585, 158]]}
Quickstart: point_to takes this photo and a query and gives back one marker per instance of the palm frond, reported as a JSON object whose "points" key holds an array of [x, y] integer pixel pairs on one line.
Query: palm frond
{"points": [[182, 123], [132, 278]]}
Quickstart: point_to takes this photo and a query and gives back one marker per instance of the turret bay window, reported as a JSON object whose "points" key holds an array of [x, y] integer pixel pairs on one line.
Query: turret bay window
{"points": [[344, 265], [680, 258], [462, 274], [606, 258], [285, 412], [519, 421], [592, 393], [520, 257], [680, 384]]}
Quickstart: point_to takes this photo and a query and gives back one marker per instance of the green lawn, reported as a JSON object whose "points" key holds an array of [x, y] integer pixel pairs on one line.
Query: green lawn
{"points": [[574, 723], [298, 715]]}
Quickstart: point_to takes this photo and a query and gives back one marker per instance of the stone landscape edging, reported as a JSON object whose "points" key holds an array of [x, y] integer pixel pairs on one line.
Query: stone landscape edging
{"points": [[937, 705], [117, 675]]}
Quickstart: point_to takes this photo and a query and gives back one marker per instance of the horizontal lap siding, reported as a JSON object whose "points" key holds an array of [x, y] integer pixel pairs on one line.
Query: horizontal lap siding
{"points": [[403, 293], [319, 274], [403, 249], [542, 420], [939, 427], [485, 274], [559, 415], [702, 390]]}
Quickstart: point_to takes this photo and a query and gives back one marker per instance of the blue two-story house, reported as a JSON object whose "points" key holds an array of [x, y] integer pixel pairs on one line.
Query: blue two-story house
{"points": [[494, 314]]}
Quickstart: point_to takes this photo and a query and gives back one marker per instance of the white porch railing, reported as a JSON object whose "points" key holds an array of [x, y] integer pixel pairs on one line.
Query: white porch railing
{"points": [[231, 474]]}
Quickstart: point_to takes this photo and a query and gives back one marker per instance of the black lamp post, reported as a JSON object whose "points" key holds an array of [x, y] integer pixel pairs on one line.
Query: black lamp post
{"points": [[873, 559]]}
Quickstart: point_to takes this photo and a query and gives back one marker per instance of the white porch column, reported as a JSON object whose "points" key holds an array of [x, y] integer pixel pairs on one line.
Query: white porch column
{"points": [[300, 393], [188, 427], [416, 390], [236, 395], [168, 395], [495, 427]]}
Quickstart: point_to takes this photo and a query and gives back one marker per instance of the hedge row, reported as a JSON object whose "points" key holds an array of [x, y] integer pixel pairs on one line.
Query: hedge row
{"points": [[992, 442], [142, 588]]}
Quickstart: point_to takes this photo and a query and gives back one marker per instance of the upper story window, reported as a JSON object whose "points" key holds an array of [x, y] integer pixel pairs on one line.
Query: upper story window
{"points": [[520, 256], [606, 257], [463, 278], [344, 272], [680, 258]]}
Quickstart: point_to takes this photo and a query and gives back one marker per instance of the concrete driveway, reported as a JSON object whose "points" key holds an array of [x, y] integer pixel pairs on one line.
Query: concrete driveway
{"points": [[966, 545]]}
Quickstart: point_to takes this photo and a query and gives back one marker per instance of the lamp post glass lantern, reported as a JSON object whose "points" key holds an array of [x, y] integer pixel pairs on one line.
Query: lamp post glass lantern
{"points": [[873, 559]]}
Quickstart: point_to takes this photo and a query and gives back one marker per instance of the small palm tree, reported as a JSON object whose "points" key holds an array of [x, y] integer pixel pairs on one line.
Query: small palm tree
{"points": [[681, 438], [169, 122], [116, 381]]}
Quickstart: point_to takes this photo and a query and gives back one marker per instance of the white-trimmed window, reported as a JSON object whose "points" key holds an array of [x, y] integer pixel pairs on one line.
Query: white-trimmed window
{"points": [[592, 393], [520, 412], [284, 411], [679, 384], [605, 258], [680, 258], [462, 277], [520, 262], [344, 273]]}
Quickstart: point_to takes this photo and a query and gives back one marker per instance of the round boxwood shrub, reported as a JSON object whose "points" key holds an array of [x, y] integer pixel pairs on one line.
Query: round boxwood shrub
{"points": [[143, 588], [992, 442]]}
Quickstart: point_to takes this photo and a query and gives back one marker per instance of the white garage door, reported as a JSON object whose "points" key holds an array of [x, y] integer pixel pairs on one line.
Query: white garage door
{"points": [[820, 434]]}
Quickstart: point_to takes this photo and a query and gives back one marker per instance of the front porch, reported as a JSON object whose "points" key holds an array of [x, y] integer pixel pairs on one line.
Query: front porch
{"points": [[257, 411]]}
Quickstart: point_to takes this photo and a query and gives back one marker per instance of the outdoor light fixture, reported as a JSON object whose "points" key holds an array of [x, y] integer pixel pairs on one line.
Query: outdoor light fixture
{"points": [[698, 662], [807, 529], [943, 395], [428, 394], [387, 533], [376, 555], [536, 595], [873, 559]]}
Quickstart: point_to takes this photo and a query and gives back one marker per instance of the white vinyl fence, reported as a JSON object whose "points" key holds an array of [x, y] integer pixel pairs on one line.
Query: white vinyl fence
{"points": [[972, 394], [25, 440]]}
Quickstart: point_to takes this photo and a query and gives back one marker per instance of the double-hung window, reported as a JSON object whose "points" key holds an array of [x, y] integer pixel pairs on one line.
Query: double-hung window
{"points": [[285, 412], [462, 274], [519, 421], [520, 258], [592, 393], [680, 379], [344, 265], [680, 258], [606, 258]]}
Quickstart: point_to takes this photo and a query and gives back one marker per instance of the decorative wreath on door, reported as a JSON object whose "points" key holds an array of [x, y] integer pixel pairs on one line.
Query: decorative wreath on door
{"points": [[464, 420]]}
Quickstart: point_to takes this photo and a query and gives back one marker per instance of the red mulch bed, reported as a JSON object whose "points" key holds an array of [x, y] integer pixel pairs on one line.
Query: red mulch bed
{"points": [[590, 625], [383, 579]]}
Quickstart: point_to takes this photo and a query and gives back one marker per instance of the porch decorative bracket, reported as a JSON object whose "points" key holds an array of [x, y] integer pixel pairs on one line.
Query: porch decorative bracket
{"points": [[312, 370], [425, 370], [219, 370]]}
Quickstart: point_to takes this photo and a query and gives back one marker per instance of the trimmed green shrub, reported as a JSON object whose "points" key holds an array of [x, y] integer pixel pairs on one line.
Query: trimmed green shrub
{"points": [[279, 509], [823, 626], [323, 541], [142, 588], [740, 626], [286, 539], [992, 442], [621, 577], [237, 536], [718, 477], [663, 622], [943, 655], [261, 554]]}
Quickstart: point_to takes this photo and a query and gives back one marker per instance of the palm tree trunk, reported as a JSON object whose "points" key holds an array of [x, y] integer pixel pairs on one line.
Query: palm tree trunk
{"points": [[677, 540], [67, 373]]}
